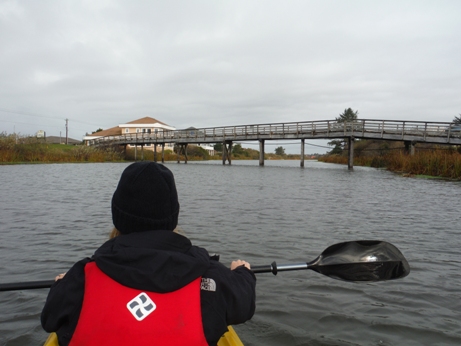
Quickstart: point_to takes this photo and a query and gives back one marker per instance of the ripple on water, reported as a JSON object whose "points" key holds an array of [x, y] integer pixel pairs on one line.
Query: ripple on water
{"points": [[279, 212]]}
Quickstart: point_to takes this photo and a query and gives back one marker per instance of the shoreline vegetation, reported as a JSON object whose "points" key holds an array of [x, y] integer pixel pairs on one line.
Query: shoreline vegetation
{"points": [[428, 160]]}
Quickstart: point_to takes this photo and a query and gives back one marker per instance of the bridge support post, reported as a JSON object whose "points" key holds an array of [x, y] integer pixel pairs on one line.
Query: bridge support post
{"points": [[261, 152], [226, 152], [302, 153], [136, 153], [350, 162], [155, 152], [410, 147], [185, 152], [163, 152], [178, 149], [142, 152], [182, 148]]}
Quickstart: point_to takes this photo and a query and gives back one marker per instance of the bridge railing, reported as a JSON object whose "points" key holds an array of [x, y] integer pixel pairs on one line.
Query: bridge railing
{"points": [[403, 128], [321, 128], [260, 129]]}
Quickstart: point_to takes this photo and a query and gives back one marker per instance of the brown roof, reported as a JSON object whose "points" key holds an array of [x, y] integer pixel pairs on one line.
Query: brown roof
{"points": [[61, 140], [147, 120], [113, 131], [117, 130]]}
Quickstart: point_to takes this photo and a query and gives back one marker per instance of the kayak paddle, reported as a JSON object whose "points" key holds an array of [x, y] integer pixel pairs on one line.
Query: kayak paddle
{"points": [[15, 286], [363, 260]]}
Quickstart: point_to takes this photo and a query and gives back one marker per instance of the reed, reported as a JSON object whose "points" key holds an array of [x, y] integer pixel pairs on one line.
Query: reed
{"points": [[437, 163], [444, 163]]}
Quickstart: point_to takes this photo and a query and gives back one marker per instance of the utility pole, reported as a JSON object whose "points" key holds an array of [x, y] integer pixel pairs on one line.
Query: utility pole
{"points": [[67, 131]]}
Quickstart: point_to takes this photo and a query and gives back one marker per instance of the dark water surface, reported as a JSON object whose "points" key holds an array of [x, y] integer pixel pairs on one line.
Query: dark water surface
{"points": [[53, 215]]}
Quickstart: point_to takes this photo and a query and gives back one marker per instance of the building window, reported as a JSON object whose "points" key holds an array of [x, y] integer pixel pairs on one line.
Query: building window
{"points": [[127, 130], [137, 130]]}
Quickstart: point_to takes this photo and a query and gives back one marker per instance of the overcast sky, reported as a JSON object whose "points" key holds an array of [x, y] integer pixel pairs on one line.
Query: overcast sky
{"points": [[217, 63]]}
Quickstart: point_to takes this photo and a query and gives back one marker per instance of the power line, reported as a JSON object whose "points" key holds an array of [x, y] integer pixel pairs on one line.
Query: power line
{"points": [[46, 125], [28, 123], [320, 146], [25, 113], [44, 116]]}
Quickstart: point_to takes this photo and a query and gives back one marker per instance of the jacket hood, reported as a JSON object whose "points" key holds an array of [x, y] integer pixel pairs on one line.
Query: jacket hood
{"points": [[156, 261]]}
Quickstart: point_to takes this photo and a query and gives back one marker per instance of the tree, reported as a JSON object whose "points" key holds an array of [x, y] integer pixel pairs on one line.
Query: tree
{"points": [[98, 130], [348, 115], [218, 147], [237, 149], [280, 151], [338, 147], [457, 121], [194, 150]]}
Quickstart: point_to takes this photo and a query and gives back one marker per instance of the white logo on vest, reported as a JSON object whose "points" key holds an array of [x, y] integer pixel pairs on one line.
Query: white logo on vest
{"points": [[141, 306], [208, 285]]}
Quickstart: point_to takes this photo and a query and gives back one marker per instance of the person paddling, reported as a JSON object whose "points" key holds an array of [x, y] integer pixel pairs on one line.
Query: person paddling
{"points": [[148, 285]]}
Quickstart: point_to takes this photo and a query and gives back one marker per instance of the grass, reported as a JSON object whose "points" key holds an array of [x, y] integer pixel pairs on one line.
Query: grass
{"points": [[435, 163], [32, 150]]}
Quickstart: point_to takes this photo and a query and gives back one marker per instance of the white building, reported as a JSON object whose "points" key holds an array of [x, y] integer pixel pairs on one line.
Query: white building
{"points": [[143, 125]]}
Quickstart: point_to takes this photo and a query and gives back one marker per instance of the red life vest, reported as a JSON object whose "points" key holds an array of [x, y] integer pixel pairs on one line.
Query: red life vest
{"points": [[113, 314]]}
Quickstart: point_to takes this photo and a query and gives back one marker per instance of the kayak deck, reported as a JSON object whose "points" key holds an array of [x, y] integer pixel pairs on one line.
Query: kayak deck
{"points": [[230, 338]]}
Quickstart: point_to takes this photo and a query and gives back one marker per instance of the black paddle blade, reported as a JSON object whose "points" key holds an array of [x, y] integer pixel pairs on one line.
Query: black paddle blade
{"points": [[365, 260]]}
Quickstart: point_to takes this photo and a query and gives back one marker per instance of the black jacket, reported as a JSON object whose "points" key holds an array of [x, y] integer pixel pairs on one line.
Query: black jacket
{"points": [[156, 261]]}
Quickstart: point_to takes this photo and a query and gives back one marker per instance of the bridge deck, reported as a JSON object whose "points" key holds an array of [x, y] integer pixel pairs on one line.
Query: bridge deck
{"points": [[414, 131]]}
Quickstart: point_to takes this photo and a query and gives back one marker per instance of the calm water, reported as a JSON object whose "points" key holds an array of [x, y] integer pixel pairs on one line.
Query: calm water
{"points": [[54, 215]]}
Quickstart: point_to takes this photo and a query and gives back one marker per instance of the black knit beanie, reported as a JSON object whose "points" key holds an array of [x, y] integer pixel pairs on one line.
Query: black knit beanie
{"points": [[145, 199]]}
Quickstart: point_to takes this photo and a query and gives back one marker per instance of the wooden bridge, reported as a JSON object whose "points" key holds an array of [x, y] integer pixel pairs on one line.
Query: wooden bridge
{"points": [[411, 132]]}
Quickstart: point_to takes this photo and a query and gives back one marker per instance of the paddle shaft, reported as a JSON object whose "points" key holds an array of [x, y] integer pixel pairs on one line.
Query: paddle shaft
{"points": [[271, 268], [274, 268], [364, 260], [15, 286]]}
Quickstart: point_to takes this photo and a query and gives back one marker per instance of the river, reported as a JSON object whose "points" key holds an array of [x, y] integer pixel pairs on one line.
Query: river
{"points": [[52, 215]]}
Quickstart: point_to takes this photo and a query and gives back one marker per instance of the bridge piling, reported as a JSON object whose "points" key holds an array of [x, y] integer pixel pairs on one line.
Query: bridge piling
{"points": [[182, 148], [185, 153], [226, 152], [302, 153], [261, 152], [350, 161], [410, 147]]}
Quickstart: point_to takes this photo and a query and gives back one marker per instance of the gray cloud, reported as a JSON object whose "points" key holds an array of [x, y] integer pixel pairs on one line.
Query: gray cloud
{"points": [[209, 63]]}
